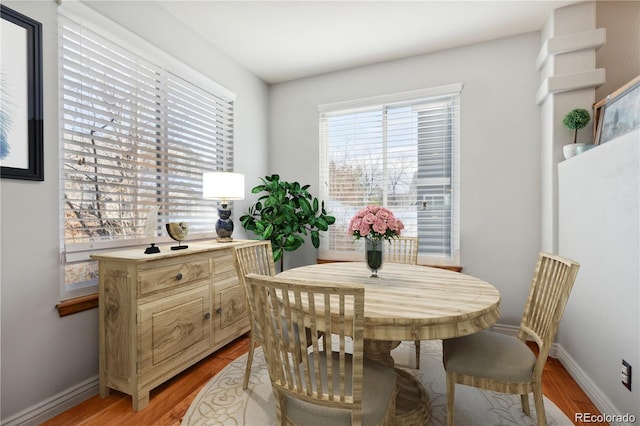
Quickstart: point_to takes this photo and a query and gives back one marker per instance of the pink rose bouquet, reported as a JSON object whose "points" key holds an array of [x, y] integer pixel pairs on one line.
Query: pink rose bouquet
{"points": [[375, 223]]}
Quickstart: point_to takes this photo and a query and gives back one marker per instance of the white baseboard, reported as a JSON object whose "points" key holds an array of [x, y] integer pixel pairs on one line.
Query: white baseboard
{"points": [[599, 399], [55, 405]]}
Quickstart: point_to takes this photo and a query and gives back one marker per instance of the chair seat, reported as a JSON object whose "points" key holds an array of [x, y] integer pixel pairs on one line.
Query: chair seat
{"points": [[489, 354], [378, 387]]}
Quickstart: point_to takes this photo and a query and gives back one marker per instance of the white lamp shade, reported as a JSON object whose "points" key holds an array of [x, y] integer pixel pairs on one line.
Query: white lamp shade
{"points": [[223, 186]]}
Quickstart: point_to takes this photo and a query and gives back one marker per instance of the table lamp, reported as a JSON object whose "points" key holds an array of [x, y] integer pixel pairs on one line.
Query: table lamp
{"points": [[223, 186]]}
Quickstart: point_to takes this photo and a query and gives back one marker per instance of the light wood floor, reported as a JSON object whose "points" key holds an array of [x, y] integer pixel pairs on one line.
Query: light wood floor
{"points": [[170, 401]]}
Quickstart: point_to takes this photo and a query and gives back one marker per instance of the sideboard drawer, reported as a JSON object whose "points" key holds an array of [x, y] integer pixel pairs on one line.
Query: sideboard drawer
{"points": [[166, 276]]}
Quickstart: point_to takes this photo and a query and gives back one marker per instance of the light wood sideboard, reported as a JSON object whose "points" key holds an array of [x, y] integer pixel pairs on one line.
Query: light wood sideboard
{"points": [[161, 313]]}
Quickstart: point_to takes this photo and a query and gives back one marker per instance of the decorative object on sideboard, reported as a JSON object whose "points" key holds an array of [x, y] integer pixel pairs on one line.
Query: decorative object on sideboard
{"points": [[223, 186], [618, 113], [150, 230], [152, 249], [285, 215], [575, 120], [178, 231]]}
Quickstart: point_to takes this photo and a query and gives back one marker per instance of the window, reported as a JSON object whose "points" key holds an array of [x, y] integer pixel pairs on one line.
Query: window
{"points": [[137, 131], [398, 151]]}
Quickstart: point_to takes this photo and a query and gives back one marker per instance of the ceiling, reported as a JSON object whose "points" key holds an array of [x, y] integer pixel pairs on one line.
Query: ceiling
{"points": [[285, 40]]}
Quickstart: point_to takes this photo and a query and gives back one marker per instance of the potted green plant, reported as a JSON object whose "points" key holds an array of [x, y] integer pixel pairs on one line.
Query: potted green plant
{"points": [[285, 214], [575, 120]]}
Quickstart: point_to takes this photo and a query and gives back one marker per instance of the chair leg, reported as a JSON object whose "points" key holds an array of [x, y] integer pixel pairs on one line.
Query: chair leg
{"points": [[539, 402], [524, 400], [247, 371], [417, 342], [451, 388], [281, 408]]}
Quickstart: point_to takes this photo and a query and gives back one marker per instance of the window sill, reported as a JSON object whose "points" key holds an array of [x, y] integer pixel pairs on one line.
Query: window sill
{"points": [[77, 304]]}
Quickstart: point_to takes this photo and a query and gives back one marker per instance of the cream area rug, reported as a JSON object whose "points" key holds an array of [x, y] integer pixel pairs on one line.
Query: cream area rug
{"points": [[223, 401]]}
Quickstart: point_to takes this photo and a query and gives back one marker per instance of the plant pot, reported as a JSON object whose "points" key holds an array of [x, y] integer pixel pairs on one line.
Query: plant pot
{"points": [[585, 147], [569, 150]]}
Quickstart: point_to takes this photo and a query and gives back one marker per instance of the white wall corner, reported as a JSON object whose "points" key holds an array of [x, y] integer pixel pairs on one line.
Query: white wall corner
{"points": [[569, 82], [592, 39], [599, 398], [543, 91]]}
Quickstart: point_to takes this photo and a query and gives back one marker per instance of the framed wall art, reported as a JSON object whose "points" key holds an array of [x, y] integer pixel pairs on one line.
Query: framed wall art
{"points": [[618, 113], [21, 131]]}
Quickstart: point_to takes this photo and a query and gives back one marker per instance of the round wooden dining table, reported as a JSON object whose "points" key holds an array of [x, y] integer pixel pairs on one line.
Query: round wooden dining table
{"points": [[411, 302]]}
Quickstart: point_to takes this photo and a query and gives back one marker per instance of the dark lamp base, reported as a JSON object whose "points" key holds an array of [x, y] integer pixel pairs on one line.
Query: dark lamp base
{"points": [[224, 225]]}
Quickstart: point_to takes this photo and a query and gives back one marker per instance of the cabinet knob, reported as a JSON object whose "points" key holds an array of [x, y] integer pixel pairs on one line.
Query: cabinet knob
{"points": [[207, 315], [219, 310], [179, 276]]}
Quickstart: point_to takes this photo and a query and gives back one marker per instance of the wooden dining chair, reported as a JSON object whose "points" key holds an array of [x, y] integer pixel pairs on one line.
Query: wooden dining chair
{"points": [[256, 258], [404, 250], [324, 383], [503, 363]]}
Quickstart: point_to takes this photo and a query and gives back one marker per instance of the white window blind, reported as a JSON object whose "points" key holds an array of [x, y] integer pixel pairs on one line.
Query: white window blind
{"points": [[398, 151], [135, 136]]}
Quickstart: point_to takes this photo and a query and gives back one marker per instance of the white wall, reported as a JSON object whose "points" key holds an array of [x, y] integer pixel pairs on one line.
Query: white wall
{"points": [[599, 219], [41, 354], [500, 148]]}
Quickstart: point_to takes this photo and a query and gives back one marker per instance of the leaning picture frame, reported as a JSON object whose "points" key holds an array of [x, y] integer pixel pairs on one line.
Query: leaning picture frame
{"points": [[21, 117], [618, 113]]}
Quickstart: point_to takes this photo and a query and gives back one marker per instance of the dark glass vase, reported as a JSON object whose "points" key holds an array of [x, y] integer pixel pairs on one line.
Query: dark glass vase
{"points": [[373, 251]]}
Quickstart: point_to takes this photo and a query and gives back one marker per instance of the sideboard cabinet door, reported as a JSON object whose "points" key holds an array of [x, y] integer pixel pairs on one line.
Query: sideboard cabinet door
{"points": [[172, 331]]}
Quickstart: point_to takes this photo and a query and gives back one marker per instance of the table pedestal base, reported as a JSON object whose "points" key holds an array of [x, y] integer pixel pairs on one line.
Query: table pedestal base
{"points": [[412, 402]]}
